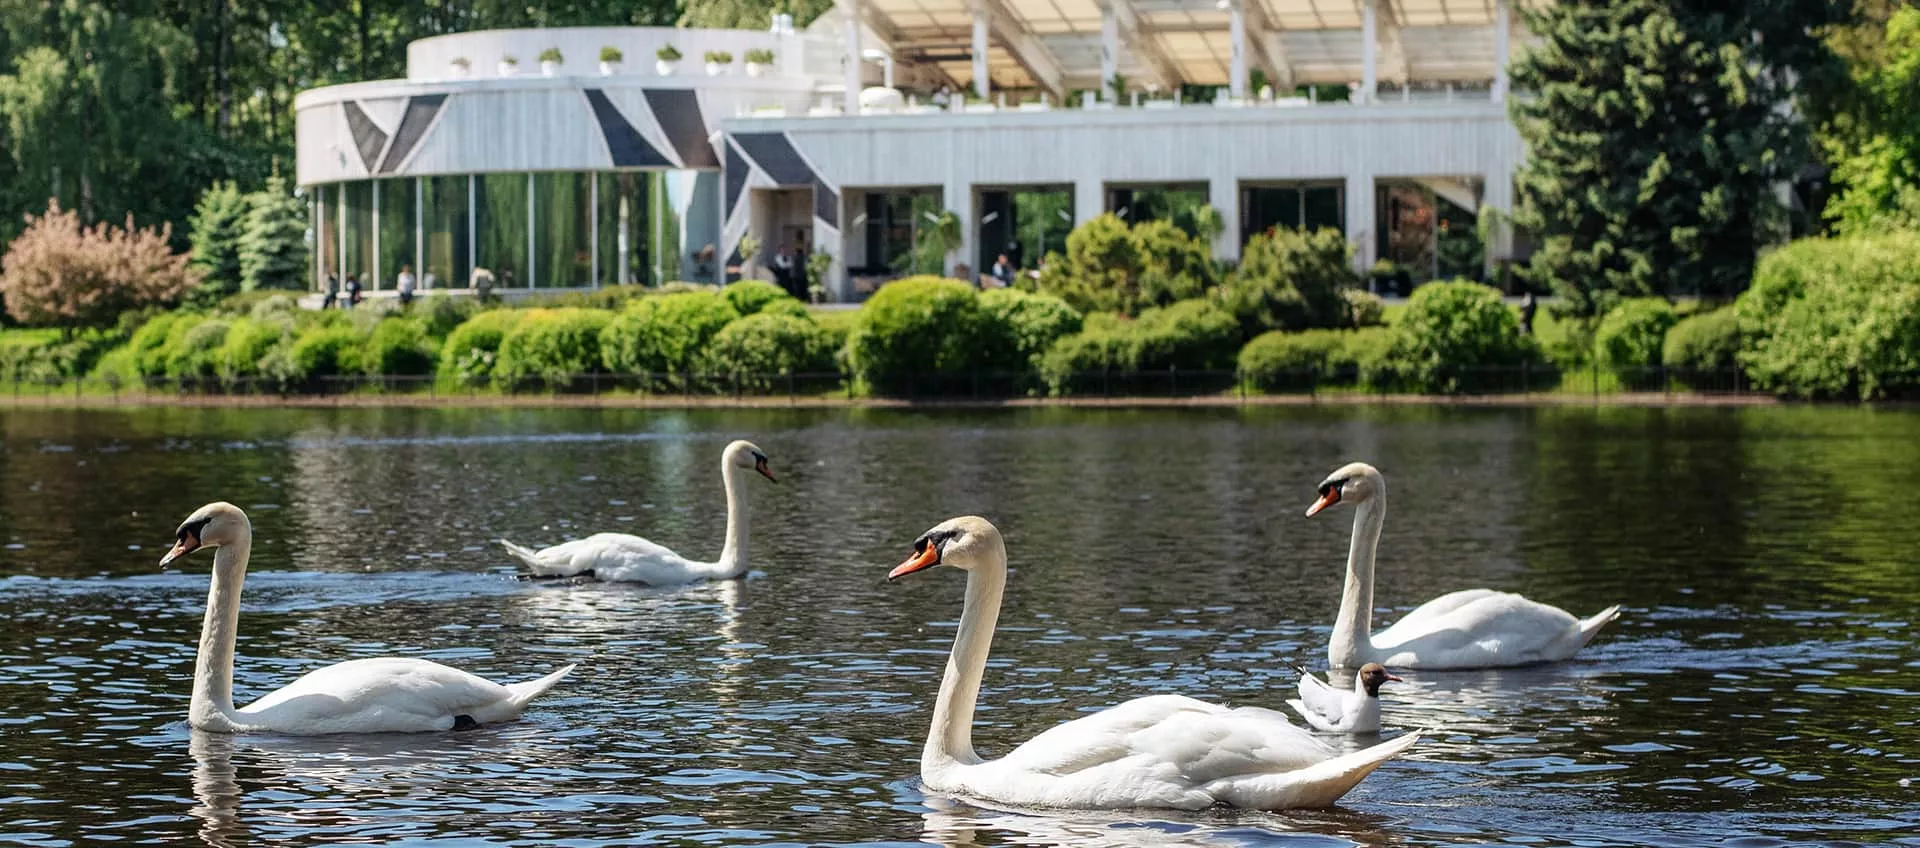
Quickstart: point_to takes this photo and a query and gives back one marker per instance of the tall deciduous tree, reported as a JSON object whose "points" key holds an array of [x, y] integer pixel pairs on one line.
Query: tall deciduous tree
{"points": [[61, 272], [1657, 134], [1875, 140]]}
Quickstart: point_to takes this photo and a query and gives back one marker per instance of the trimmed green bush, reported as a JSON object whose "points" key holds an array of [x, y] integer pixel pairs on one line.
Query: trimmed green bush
{"points": [[472, 348], [398, 347], [47, 356], [552, 345], [1831, 318], [1283, 361], [759, 348], [1629, 339], [917, 328], [149, 343], [1110, 266], [1174, 266], [324, 351], [441, 314], [249, 341], [191, 345], [750, 296], [1192, 334], [790, 306], [664, 334], [1364, 308], [1703, 348], [1366, 359], [605, 297], [1456, 337], [1022, 326], [1293, 280]]}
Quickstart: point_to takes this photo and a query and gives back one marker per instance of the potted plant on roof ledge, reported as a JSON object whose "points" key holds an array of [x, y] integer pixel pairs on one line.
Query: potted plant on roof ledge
{"points": [[509, 66], [717, 62], [550, 61], [460, 66], [666, 59], [758, 60], [610, 58]]}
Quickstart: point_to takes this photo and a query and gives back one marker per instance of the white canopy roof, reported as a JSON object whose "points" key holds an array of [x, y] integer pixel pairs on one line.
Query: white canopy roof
{"points": [[1169, 42]]}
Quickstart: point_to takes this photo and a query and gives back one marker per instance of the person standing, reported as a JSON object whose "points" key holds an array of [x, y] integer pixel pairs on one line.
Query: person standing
{"points": [[333, 291], [783, 272], [1528, 306], [353, 291], [405, 285]]}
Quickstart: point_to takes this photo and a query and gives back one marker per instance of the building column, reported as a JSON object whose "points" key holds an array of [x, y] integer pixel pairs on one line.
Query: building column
{"points": [[1360, 220], [982, 79], [958, 199], [473, 231], [373, 186], [316, 217], [1109, 53], [853, 58], [1369, 53], [593, 229], [1237, 35], [419, 232], [533, 281], [1502, 42], [1089, 200], [1223, 194]]}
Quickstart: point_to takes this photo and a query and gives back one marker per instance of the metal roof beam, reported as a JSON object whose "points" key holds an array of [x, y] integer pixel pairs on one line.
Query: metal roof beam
{"points": [[1141, 44], [1393, 53], [1270, 52], [1027, 49]]}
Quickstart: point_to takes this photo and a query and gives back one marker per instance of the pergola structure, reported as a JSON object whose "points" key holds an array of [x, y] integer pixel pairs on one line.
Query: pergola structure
{"points": [[1059, 46]]}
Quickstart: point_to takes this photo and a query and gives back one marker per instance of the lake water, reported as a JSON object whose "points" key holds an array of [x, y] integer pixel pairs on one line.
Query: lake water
{"points": [[1762, 687]]}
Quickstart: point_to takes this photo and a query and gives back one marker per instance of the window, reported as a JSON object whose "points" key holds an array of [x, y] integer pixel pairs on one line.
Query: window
{"points": [[396, 232], [502, 203], [622, 242], [358, 262], [893, 221], [563, 230], [448, 245]]}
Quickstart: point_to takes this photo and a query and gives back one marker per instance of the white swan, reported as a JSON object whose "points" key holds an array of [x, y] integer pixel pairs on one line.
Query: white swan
{"points": [[1472, 628], [1334, 711], [383, 695], [623, 558], [1165, 751]]}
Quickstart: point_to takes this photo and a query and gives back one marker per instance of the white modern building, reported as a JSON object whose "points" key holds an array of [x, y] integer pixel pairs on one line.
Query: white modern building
{"points": [[521, 152]]}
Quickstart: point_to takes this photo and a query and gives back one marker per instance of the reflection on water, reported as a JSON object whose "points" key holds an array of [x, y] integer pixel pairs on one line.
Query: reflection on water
{"points": [[1760, 689]]}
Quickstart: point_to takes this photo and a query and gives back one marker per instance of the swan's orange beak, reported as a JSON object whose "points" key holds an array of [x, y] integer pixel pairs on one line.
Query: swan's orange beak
{"points": [[187, 544], [760, 465], [928, 557], [1328, 497]]}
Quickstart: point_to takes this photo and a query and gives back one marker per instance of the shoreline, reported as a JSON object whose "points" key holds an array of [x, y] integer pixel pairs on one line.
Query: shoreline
{"points": [[614, 401]]}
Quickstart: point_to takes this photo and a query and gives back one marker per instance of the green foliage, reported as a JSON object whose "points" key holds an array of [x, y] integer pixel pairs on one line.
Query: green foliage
{"points": [[1294, 280], [273, 250], [1283, 361], [750, 296], [472, 348], [760, 347], [191, 347], [325, 351], [398, 347], [218, 222], [552, 345], [1189, 335], [1702, 347], [1835, 318], [52, 356], [1021, 326], [247, 342], [1655, 135], [1629, 339], [605, 297], [1364, 308], [664, 334], [917, 327], [148, 346], [1448, 329], [1110, 267], [441, 313], [1875, 146]]}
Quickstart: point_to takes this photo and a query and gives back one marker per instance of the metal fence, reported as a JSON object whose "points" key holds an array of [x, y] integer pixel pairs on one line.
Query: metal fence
{"points": [[982, 386]]}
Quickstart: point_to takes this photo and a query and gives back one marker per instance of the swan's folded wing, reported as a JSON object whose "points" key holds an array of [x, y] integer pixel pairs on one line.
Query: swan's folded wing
{"points": [[389, 689], [1198, 740], [1428, 615], [620, 557]]}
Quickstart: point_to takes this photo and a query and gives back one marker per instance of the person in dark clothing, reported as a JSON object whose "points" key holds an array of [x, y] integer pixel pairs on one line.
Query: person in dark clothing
{"points": [[353, 291], [333, 291], [1528, 306], [1003, 271]]}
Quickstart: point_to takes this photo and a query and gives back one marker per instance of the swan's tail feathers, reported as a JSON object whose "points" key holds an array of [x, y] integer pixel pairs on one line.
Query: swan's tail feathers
{"points": [[1315, 786], [529, 690], [1590, 627]]}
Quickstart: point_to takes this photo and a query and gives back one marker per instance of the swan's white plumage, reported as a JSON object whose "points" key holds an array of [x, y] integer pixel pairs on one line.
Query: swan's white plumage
{"points": [[1472, 628], [380, 695], [625, 558], [1162, 751]]}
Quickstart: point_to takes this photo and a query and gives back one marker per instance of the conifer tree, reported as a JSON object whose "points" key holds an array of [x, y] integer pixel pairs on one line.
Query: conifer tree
{"points": [[273, 251], [218, 222]]}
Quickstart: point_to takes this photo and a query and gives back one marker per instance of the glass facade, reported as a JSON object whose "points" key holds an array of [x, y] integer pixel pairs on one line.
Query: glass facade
{"points": [[894, 220], [1304, 206], [531, 230]]}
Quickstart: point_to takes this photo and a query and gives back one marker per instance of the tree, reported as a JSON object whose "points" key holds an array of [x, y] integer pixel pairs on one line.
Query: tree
{"points": [[1874, 141], [273, 250], [218, 224], [1656, 134], [62, 273]]}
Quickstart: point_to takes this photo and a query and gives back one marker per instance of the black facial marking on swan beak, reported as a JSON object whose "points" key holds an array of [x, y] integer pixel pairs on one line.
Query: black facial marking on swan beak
{"points": [[760, 465]]}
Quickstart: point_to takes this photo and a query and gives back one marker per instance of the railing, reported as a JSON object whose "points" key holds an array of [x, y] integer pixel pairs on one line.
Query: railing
{"points": [[1522, 381]]}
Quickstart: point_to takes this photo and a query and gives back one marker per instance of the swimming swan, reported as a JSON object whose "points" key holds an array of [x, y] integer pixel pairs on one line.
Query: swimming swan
{"points": [[624, 558], [1165, 751], [1332, 710], [383, 695], [1472, 628]]}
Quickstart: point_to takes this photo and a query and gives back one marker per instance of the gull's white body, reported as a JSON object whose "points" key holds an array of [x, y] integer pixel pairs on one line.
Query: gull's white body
{"points": [[1334, 710], [1472, 628], [1164, 751], [625, 558], [382, 695]]}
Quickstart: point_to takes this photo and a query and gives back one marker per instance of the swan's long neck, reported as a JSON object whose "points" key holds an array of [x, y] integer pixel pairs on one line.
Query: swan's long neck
{"points": [[212, 705], [1353, 630], [950, 739], [733, 557]]}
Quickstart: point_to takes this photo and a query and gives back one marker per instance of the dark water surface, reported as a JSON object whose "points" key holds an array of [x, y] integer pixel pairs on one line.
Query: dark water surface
{"points": [[1761, 689]]}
